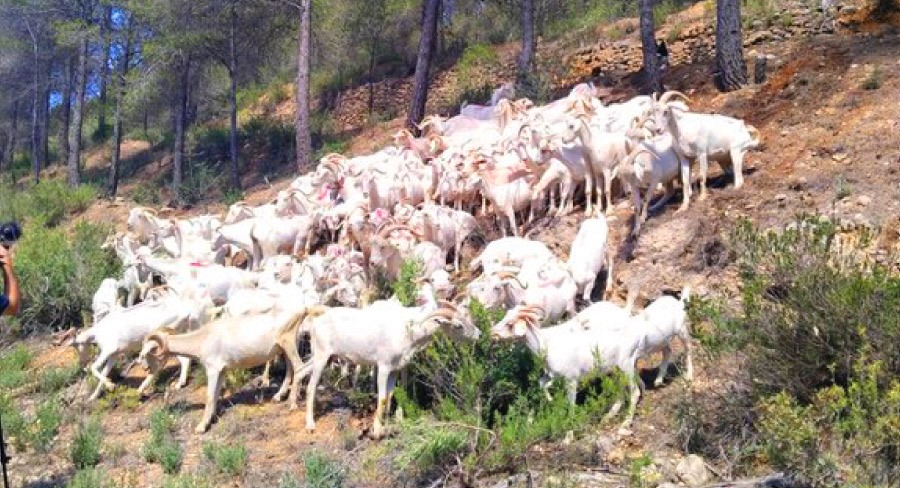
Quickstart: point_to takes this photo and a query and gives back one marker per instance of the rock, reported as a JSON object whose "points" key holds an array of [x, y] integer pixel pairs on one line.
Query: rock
{"points": [[692, 470], [864, 201], [781, 197], [667, 485], [798, 184], [839, 156]]}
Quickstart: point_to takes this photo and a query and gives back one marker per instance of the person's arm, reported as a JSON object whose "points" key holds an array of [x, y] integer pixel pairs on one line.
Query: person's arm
{"points": [[10, 284]]}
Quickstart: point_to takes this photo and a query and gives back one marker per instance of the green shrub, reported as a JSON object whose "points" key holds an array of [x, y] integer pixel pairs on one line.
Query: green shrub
{"points": [[59, 273], [120, 397], [55, 379], [873, 79], [288, 480], [202, 179], [229, 459], [187, 481], [15, 425], [88, 478], [405, 288], [86, 444], [322, 471], [13, 365], [50, 201], [161, 447], [818, 339], [662, 11], [563, 18], [47, 419], [764, 11]]}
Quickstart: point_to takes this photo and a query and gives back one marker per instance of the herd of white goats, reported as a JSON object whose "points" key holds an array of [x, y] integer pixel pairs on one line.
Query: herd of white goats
{"points": [[415, 200]]}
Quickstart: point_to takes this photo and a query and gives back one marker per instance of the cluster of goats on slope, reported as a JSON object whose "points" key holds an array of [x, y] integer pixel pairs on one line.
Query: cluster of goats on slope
{"points": [[313, 252]]}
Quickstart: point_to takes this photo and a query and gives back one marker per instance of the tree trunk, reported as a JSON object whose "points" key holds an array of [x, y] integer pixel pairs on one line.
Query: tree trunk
{"points": [[232, 101], [373, 47], [13, 139], [113, 186], [423, 63], [104, 70], [66, 109], [45, 115], [731, 71], [648, 43], [36, 109], [304, 145], [78, 113], [181, 120], [526, 57]]}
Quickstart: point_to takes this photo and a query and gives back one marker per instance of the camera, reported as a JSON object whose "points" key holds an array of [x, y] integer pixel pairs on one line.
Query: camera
{"points": [[10, 232]]}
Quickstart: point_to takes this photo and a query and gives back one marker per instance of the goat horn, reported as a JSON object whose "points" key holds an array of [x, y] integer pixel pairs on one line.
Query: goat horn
{"points": [[447, 304], [390, 228], [669, 94], [62, 336], [162, 342]]}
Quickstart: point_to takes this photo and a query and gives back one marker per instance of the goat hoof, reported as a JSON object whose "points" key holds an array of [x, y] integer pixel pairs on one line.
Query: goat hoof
{"points": [[200, 429], [658, 382], [293, 407]]}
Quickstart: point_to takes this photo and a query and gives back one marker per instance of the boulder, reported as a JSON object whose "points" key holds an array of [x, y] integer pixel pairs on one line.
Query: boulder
{"points": [[693, 471]]}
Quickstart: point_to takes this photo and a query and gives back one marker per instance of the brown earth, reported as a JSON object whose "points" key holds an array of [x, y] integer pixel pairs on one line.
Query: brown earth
{"points": [[830, 147]]}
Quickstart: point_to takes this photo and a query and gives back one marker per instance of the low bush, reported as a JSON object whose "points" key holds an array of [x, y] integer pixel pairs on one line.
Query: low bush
{"points": [[59, 273], [13, 365], [187, 481], [88, 478], [86, 444], [55, 379], [49, 201], [477, 407], [229, 459], [161, 447], [46, 423], [322, 471], [817, 341], [15, 425]]}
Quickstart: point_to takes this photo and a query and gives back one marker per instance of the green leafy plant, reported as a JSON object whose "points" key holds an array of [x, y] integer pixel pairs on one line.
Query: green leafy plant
{"points": [[873, 80], [162, 447], [86, 444], [322, 471], [188, 481], [817, 337], [55, 379], [229, 459], [46, 424], [88, 478], [13, 364]]}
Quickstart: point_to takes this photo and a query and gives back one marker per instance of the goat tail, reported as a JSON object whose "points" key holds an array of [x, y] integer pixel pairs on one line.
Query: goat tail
{"points": [[310, 312], [632, 297], [610, 260], [255, 250], [685, 294]]}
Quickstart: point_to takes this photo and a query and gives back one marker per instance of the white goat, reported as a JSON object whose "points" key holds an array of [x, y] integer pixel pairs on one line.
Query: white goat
{"points": [[571, 352], [705, 137], [235, 342], [123, 330], [386, 335], [588, 252], [659, 322], [106, 298]]}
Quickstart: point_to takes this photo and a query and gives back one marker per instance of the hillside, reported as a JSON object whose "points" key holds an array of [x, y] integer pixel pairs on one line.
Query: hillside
{"points": [[830, 125]]}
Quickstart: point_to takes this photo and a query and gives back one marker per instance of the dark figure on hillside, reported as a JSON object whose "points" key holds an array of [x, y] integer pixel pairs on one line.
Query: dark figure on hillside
{"points": [[662, 55]]}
